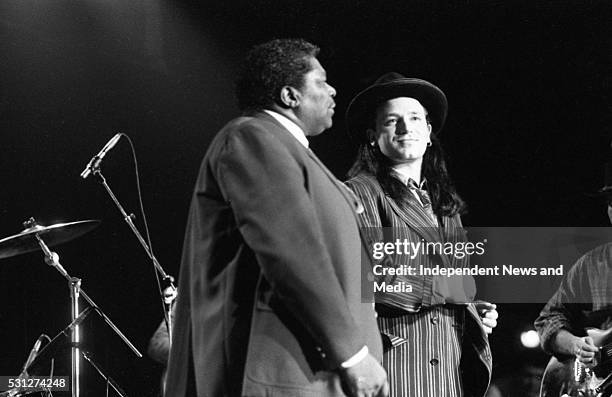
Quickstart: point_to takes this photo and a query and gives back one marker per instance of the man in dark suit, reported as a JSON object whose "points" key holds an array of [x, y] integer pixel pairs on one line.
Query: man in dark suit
{"points": [[270, 290]]}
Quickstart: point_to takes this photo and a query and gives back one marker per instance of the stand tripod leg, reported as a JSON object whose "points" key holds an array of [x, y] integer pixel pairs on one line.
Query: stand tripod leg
{"points": [[75, 286]]}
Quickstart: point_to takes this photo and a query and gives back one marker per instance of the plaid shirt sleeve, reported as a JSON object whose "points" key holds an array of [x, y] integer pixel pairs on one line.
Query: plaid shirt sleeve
{"points": [[565, 310]]}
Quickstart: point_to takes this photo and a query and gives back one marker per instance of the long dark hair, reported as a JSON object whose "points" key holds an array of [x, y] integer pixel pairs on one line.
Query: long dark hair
{"points": [[444, 198]]}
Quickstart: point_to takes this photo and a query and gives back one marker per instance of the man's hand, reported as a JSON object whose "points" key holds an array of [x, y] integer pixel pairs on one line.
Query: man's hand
{"points": [[366, 379], [582, 348], [585, 350], [488, 315]]}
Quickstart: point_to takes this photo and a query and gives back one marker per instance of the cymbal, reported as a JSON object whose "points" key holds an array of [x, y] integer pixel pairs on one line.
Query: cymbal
{"points": [[59, 233]]}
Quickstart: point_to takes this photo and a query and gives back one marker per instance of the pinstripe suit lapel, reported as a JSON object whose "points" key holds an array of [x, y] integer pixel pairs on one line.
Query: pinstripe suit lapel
{"points": [[414, 216], [417, 219]]}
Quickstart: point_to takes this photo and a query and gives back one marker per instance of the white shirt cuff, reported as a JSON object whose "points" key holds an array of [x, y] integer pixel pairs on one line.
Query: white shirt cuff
{"points": [[356, 359]]}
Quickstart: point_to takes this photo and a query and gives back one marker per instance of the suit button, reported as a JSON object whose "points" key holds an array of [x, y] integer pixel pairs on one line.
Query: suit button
{"points": [[434, 320], [434, 361]]}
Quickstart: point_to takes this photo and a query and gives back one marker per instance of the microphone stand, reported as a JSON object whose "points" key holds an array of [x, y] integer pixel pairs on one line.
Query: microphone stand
{"points": [[167, 298], [52, 259]]}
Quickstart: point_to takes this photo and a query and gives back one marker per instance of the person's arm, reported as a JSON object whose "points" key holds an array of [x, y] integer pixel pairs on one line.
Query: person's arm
{"points": [[159, 344], [566, 343], [277, 217], [561, 322], [488, 315]]}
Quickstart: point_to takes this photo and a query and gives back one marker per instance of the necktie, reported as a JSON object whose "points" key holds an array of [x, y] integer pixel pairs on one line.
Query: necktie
{"points": [[425, 199]]}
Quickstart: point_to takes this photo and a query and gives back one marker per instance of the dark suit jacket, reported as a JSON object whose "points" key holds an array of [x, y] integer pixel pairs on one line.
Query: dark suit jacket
{"points": [[386, 220], [270, 292]]}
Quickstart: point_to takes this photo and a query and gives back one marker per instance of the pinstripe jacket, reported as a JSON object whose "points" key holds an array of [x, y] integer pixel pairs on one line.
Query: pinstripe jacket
{"points": [[385, 219]]}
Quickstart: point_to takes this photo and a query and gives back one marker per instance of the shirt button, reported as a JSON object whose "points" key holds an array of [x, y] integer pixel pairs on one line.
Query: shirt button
{"points": [[434, 320], [434, 361]]}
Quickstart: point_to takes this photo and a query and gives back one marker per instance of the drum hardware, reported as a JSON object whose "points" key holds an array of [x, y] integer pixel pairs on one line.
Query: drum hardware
{"points": [[25, 241], [31, 238], [59, 343], [109, 381]]}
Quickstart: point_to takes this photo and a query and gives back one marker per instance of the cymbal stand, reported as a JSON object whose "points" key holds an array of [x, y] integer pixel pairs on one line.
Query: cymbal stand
{"points": [[75, 290], [167, 280], [52, 259]]}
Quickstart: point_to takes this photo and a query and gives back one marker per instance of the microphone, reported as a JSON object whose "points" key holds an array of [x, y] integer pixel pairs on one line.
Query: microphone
{"points": [[95, 160], [66, 331], [58, 342], [34, 352]]}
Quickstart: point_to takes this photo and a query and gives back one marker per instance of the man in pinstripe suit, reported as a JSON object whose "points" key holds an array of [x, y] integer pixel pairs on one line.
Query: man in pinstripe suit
{"points": [[435, 337]]}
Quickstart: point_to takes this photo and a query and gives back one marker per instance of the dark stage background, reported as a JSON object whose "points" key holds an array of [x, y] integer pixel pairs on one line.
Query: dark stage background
{"points": [[528, 84]]}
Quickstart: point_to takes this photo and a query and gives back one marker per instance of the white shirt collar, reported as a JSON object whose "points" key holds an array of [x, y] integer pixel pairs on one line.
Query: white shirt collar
{"points": [[293, 128], [410, 183], [403, 176]]}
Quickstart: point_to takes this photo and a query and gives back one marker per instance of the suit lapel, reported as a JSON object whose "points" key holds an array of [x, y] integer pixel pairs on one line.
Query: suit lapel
{"points": [[420, 222], [417, 219], [348, 195]]}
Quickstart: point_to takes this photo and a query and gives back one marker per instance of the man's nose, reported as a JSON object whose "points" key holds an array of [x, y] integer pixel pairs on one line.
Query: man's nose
{"points": [[400, 127], [332, 91]]}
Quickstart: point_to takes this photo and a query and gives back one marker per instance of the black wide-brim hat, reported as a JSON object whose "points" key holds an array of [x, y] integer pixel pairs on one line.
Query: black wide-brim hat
{"points": [[361, 110]]}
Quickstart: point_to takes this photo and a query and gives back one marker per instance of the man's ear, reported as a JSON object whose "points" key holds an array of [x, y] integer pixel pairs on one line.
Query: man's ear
{"points": [[290, 97]]}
